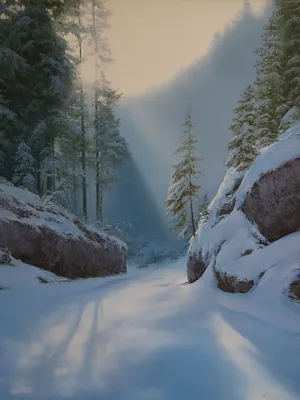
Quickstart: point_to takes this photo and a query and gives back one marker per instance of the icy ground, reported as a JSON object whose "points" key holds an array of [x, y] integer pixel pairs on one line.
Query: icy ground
{"points": [[148, 335]]}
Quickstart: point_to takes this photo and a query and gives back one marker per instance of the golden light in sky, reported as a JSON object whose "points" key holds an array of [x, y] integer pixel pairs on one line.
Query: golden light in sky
{"points": [[151, 40]]}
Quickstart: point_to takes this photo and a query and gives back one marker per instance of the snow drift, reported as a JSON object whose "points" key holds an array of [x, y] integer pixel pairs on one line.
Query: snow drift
{"points": [[49, 237], [253, 222]]}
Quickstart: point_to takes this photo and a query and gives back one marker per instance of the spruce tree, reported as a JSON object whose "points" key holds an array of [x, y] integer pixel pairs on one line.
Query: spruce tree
{"points": [[80, 111], [13, 69], [41, 92], [242, 146], [203, 209], [24, 170], [269, 84], [289, 17], [182, 189], [110, 146]]}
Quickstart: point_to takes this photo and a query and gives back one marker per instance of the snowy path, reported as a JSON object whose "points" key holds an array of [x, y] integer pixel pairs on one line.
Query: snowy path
{"points": [[147, 336]]}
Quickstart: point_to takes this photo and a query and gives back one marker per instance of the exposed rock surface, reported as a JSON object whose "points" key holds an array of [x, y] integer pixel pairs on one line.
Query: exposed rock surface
{"points": [[195, 267], [274, 201], [232, 284], [254, 222], [50, 238], [294, 289]]}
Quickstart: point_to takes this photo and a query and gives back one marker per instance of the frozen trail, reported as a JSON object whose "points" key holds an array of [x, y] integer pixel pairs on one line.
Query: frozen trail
{"points": [[146, 336]]}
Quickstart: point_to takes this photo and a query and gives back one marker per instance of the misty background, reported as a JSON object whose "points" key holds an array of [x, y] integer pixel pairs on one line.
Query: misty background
{"points": [[151, 123]]}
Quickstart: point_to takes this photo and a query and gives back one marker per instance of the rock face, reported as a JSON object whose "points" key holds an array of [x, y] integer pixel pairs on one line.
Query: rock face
{"points": [[231, 284], [195, 267], [274, 201], [294, 289], [54, 240]]}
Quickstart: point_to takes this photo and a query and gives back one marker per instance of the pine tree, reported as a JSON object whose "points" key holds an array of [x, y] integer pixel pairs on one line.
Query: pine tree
{"points": [[110, 146], [13, 68], [269, 84], [79, 104], [182, 189], [289, 17], [39, 96], [24, 171], [203, 209], [242, 146]]}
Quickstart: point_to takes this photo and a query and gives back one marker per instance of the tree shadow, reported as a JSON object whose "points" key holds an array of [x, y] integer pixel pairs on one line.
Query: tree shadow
{"points": [[277, 348]]}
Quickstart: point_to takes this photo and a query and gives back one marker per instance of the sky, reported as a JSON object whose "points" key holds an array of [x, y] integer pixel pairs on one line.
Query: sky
{"points": [[152, 40]]}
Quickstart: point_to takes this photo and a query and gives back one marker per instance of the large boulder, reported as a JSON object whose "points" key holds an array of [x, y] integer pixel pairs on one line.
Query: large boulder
{"points": [[50, 238], [273, 203], [254, 222]]}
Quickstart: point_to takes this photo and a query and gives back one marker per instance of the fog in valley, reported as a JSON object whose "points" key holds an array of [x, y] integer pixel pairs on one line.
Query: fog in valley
{"points": [[151, 123]]}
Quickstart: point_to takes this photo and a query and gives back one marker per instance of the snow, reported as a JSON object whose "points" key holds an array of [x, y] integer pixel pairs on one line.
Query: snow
{"points": [[230, 238], [284, 254], [231, 177], [222, 240], [18, 274], [22, 195], [47, 215], [149, 336], [114, 239]]}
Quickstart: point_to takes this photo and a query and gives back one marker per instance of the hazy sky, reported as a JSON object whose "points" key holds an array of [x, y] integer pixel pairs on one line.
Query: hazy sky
{"points": [[151, 40]]}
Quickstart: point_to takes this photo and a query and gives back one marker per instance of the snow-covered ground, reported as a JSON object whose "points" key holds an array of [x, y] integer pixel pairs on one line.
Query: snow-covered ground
{"points": [[147, 335]]}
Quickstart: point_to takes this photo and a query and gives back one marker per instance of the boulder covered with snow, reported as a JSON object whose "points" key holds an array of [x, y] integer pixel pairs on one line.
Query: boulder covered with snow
{"points": [[49, 237], [249, 213], [274, 201], [294, 289], [195, 266]]}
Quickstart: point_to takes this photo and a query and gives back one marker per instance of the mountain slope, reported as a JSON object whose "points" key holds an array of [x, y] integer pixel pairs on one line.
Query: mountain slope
{"points": [[211, 88]]}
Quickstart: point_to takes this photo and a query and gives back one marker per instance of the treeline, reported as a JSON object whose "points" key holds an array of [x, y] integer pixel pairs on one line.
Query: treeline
{"points": [[54, 131], [271, 103]]}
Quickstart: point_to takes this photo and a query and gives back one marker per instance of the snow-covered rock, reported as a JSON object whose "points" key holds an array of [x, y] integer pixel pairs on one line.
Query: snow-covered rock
{"points": [[294, 289], [49, 237], [247, 214], [274, 201]]}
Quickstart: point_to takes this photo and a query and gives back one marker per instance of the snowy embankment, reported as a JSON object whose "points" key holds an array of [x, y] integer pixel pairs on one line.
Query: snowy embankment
{"points": [[49, 237], [148, 335], [254, 222]]}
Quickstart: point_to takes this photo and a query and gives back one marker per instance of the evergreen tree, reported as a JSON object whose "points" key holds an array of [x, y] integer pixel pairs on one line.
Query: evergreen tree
{"points": [[242, 146], [39, 96], [203, 209], [24, 171], [79, 108], [182, 189], [110, 146], [13, 68], [269, 84], [289, 17]]}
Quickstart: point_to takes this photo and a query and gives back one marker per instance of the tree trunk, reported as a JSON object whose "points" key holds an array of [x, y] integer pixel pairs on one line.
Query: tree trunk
{"points": [[82, 120], [192, 216], [97, 186], [83, 158], [96, 94], [51, 173], [101, 194]]}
